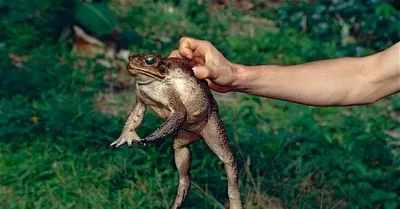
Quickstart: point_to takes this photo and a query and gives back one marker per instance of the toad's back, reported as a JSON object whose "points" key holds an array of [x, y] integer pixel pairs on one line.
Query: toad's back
{"points": [[193, 92]]}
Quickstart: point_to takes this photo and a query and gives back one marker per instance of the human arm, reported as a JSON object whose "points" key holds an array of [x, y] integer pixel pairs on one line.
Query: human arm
{"points": [[334, 82]]}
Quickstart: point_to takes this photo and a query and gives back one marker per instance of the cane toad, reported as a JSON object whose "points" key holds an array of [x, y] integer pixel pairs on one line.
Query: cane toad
{"points": [[168, 87]]}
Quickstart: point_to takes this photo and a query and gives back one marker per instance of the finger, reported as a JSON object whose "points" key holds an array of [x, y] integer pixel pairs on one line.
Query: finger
{"points": [[187, 46], [203, 72], [175, 53]]}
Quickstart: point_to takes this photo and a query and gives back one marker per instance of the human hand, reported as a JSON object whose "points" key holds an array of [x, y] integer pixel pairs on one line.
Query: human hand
{"points": [[209, 63]]}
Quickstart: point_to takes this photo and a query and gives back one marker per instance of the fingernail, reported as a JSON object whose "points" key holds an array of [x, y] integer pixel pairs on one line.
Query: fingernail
{"points": [[194, 70]]}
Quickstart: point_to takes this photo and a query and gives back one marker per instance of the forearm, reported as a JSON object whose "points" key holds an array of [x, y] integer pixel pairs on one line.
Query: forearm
{"points": [[342, 81]]}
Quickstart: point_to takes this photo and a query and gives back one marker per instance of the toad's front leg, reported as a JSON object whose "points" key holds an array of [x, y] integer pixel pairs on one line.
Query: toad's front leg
{"points": [[176, 118], [134, 119]]}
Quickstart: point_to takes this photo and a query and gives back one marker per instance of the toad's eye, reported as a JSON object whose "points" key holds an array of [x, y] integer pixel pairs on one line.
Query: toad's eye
{"points": [[149, 60]]}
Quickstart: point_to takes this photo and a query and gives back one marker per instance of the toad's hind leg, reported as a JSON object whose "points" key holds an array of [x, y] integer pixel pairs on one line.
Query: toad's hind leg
{"points": [[182, 162], [215, 136]]}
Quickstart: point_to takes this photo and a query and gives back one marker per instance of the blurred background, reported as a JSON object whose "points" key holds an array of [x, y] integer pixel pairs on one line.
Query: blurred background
{"points": [[65, 93]]}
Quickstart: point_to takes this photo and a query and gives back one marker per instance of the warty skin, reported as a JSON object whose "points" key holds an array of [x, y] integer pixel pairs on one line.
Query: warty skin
{"points": [[169, 88]]}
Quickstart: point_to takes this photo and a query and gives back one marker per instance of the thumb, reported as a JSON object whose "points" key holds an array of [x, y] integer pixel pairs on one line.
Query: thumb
{"points": [[201, 72]]}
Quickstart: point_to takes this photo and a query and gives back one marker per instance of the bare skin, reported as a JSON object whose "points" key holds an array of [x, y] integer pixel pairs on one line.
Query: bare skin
{"points": [[334, 82], [170, 89]]}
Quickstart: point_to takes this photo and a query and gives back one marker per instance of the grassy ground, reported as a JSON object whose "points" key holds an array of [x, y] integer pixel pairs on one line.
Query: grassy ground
{"points": [[58, 115]]}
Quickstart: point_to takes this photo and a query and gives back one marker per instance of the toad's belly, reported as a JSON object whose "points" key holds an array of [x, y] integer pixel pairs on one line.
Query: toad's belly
{"points": [[195, 119], [192, 93], [164, 113]]}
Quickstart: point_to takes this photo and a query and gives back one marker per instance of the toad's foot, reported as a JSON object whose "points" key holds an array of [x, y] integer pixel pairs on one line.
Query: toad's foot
{"points": [[129, 139]]}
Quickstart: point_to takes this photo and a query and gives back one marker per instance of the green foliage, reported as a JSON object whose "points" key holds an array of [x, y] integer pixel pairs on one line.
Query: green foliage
{"points": [[54, 139], [97, 17], [372, 23]]}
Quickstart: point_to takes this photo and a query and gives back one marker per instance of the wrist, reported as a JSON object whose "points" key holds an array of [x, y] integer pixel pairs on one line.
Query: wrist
{"points": [[240, 74], [256, 79]]}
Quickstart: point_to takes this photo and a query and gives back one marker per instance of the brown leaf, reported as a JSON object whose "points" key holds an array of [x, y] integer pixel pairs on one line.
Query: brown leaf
{"points": [[18, 60], [85, 45]]}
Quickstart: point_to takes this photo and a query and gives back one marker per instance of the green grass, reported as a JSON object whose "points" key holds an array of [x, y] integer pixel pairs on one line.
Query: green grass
{"points": [[58, 116]]}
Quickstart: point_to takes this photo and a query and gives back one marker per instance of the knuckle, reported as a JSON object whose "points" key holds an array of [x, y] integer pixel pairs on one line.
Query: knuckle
{"points": [[183, 39]]}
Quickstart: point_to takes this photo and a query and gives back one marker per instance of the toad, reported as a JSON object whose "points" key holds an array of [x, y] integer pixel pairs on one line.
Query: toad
{"points": [[169, 88]]}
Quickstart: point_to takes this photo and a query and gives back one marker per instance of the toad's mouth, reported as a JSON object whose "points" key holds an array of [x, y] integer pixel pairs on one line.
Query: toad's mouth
{"points": [[150, 73]]}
